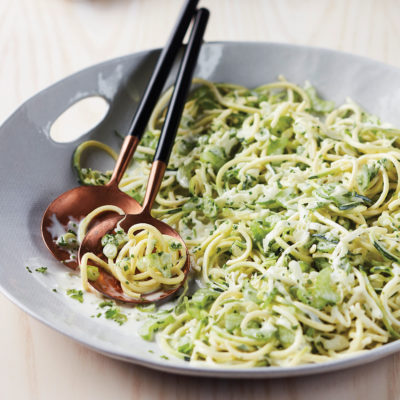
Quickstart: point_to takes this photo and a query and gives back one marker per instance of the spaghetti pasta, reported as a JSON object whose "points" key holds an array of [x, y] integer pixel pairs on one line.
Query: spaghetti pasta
{"points": [[143, 260], [290, 210]]}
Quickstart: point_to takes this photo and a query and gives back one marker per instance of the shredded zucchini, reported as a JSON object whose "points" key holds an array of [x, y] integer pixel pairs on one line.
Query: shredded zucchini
{"points": [[290, 209]]}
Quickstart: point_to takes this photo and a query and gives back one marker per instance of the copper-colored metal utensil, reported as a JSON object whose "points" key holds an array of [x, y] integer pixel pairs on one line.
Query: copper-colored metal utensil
{"points": [[106, 283], [79, 202]]}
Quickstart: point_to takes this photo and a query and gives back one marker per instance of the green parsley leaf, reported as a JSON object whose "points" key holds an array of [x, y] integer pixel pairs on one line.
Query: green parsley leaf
{"points": [[75, 294], [116, 315]]}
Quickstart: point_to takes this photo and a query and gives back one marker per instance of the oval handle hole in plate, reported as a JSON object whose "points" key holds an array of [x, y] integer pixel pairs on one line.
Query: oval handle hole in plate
{"points": [[79, 119]]}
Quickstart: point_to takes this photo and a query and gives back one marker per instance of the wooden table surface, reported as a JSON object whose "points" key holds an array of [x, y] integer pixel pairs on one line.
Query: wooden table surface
{"points": [[42, 41]]}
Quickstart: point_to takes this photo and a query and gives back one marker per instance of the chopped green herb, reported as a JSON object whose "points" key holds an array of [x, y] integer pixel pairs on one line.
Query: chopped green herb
{"points": [[75, 294], [116, 315]]}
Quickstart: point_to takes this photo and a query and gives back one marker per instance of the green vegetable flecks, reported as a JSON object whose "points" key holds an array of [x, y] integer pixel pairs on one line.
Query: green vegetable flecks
{"points": [[382, 249], [197, 307], [210, 208], [185, 345], [215, 156], [385, 319], [321, 293], [366, 175], [284, 123], [116, 315], [285, 335], [318, 105], [150, 327], [259, 330], [233, 320], [250, 293], [175, 245], [75, 294], [161, 262], [204, 297], [345, 200], [106, 304], [93, 273], [205, 98], [324, 293], [258, 230], [277, 146], [281, 199], [184, 173]]}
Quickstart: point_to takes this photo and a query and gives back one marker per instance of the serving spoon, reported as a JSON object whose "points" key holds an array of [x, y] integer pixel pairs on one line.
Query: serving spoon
{"points": [[106, 283], [77, 203]]}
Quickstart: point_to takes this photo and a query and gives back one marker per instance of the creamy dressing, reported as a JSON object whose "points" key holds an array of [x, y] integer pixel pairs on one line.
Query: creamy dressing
{"points": [[56, 228]]}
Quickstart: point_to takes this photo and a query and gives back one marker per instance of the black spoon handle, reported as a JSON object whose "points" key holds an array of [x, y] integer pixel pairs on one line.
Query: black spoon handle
{"points": [[162, 70], [153, 91], [182, 86], [174, 113]]}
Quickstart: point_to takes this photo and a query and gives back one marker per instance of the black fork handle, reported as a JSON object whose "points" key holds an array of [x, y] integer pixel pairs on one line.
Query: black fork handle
{"points": [[174, 112], [162, 70], [181, 89]]}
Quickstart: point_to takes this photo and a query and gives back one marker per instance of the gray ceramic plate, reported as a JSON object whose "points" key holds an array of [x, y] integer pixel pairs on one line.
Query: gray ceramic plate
{"points": [[34, 170]]}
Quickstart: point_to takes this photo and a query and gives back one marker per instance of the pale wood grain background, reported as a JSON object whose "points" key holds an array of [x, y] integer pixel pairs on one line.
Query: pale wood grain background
{"points": [[42, 41]]}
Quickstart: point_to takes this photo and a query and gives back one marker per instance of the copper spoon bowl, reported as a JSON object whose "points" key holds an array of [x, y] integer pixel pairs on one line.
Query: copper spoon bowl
{"points": [[79, 202], [106, 283]]}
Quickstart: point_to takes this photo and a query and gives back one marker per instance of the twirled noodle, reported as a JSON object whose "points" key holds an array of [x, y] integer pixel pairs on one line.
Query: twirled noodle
{"points": [[289, 208], [143, 260]]}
